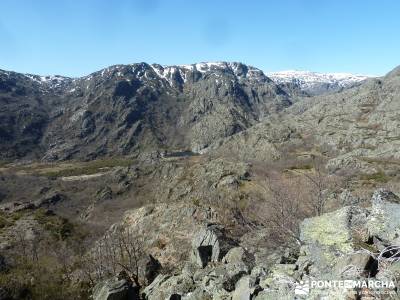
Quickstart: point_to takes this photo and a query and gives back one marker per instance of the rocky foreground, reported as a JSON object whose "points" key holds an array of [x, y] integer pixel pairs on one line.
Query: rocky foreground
{"points": [[353, 243]]}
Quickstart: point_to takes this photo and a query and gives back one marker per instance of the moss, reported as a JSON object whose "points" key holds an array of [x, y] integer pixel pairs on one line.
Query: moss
{"points": [[328, 230]]}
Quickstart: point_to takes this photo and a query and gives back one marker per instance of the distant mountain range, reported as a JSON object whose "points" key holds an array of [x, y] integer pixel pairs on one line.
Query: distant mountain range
{"points": [[316, 83]]}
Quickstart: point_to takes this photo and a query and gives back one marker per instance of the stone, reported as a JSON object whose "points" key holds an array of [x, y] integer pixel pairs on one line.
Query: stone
{"points": [[352, 265], [166, 286], [243, 290], [3, 264], [347, 198], [198, 294], [115, 289], [152, 268], [274, 295], [238, 255], [210, 245], [4, 294], [384, 220], [50, 199], [104, 194], [328, 237]]}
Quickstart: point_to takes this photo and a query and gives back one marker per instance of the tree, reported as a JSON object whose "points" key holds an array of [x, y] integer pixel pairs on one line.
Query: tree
{"points": [[320, 184], [118, 250]]}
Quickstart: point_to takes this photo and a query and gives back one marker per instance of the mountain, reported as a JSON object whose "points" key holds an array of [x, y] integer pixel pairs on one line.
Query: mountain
{"points": [[125, 109], [355, 129], [314, 83]]}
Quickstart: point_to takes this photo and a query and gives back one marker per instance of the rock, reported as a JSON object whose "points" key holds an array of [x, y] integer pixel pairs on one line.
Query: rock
{"points": [[220, 278], [152, 268], [280, 275], [243, 290], [3, 264], [104, 194], [384, 220], [229, 181], [390, 272], [238, 255], [352, 266], [198, 294], [330, 236], [274, 295], [210, 245], [4, 294], [166, 286], [50, 199], [169, 229], [115, 289], [13, 207], [346, 198]]}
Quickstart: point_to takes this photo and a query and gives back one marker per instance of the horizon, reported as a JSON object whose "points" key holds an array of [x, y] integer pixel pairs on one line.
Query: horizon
{"points": [[74, 39]]}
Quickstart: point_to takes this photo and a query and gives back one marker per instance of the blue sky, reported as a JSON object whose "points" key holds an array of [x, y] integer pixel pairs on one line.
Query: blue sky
{"points": [[77, 37]]}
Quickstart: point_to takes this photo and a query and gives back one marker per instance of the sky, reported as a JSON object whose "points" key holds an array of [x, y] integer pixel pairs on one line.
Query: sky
{"points": [[77, 37]]}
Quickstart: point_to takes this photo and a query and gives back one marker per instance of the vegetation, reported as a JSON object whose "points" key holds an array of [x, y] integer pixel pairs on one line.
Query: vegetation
{"points": [[380, 177], [59, 228], [43, 267], [7, 219], [87, 168], [3, 163]]}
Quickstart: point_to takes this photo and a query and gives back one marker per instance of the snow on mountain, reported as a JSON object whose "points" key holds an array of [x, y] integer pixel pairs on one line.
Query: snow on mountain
{"points": [[238, 69], [310, 81]]}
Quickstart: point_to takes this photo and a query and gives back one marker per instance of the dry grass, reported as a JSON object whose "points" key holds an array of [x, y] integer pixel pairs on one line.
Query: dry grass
{"points": [[74, 168]]}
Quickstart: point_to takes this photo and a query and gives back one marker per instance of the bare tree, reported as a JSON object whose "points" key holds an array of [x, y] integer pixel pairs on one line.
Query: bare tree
{"points": [[118, 250], [319, 185], [286, 208]]}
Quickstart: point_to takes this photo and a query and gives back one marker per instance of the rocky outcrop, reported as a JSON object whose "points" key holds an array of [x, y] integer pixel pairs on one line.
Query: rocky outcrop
{"points": [[346, 244], [116, 288], [210, 245]]}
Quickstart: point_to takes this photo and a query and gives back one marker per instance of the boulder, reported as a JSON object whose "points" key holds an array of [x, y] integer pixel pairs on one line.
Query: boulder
{"points": [[243, 290], [353, 265], [169, 287], [384, 220], [115, 288], [238, 255], [210, 245], [152, 268], [329, 237]]}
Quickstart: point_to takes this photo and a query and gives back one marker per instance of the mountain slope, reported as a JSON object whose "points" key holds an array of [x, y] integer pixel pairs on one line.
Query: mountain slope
{"points": [[355, 129], [126, 109]]}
